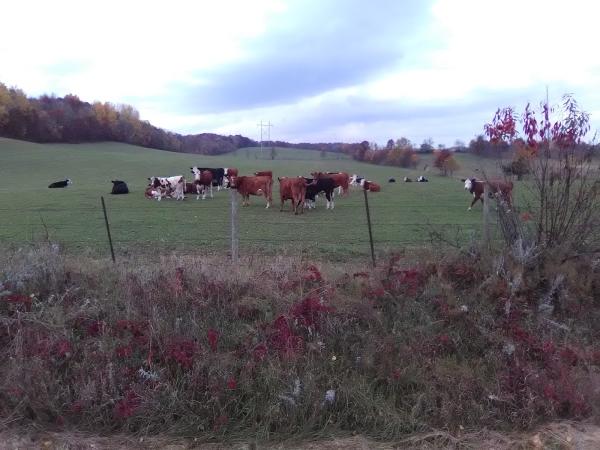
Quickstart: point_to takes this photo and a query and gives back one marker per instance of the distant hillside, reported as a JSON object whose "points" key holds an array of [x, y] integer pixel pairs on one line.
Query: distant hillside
{"points": [[68, 119]]}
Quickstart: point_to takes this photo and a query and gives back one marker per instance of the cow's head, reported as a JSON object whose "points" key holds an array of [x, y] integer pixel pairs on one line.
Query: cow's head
{"points": [[469, 183], [195, 170], [233, 182], [69, 182]]}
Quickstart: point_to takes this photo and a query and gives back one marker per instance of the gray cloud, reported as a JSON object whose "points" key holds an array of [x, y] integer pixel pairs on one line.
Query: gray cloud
{"points": [[315, 47]]}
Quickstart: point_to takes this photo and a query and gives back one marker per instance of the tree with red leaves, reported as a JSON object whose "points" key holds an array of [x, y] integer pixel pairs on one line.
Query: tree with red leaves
{"points": [[566, 188]]}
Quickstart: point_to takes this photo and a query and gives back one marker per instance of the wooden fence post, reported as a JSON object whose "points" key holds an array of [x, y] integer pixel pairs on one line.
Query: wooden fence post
{"points": [[112, 252], [486, 216], [369, 225], [234, 226]]}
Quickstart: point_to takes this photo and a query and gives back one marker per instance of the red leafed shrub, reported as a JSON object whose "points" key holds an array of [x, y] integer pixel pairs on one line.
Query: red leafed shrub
{"points": [[312, 274], [462, 275], [63, 348], [124, 351], [213, 339], [95, 328], [126, 407], [409, 281], [569, 356], [374, 294], [360, 275], [17, 299], [309, 312], [231, 383], [260, 352], [182, 352], [135, 328], [283, 339]]}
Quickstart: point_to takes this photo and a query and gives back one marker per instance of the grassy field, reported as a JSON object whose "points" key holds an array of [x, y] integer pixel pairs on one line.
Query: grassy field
{"points": [[402, 213]]}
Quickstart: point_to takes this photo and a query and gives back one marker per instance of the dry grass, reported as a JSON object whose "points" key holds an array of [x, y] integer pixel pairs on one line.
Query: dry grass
{"points": [[421, 352]]}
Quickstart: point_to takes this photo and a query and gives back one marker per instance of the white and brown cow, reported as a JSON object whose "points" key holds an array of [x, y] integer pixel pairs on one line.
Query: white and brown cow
{"points": [[498, 188]]}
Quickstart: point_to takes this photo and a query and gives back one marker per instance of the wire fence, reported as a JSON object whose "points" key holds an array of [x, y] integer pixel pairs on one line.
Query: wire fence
{"points": [[208, 227]]}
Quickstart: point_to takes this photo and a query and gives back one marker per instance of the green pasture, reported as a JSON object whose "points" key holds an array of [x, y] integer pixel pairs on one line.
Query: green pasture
{"points": [[403, 214]]}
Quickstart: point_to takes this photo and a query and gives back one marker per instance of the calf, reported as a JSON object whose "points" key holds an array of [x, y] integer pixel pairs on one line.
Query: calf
{"points": [[155, 192], [119, 187], [294, 189], [315, 186], [499, 188], [60, 184], [247, 186], [422, 179]]}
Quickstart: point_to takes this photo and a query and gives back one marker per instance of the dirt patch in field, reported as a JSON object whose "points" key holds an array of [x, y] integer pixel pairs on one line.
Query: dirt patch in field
{"points": [[563, 435]]}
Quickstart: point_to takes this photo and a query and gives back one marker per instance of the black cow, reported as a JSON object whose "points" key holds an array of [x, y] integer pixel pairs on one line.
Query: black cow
{"points": [[315, 186], [60, 184], [119, 187], [392, 180], [218, 174]]}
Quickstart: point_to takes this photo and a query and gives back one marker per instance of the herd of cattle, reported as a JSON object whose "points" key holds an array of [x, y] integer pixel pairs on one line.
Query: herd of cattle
{"points": [[301, 191]]}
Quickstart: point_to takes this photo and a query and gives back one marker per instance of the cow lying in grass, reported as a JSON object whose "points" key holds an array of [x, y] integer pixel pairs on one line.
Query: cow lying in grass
{"points": [[60, 184], [119, 187]]}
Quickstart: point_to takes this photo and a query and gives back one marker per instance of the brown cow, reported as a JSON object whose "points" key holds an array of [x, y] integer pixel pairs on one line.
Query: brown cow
{"points": [[247, 186], [341, 179], [229, 172], [371, 186], [499, 188], [294, 189]]}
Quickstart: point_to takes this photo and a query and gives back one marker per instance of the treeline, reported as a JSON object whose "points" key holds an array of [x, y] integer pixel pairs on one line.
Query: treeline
{"points": [[68, 119]]}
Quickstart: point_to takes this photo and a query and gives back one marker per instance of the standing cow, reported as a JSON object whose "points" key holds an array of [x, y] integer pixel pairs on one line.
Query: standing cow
{"points": [[60, 184], [294, 189], [498, 188], [247, 186], [341, 179], [316, 186]]}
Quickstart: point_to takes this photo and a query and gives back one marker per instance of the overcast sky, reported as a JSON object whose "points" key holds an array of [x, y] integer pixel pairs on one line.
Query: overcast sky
{"points": [[318, 70]]}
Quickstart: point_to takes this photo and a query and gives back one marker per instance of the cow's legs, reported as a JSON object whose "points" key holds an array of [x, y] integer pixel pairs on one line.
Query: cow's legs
{"points": [[211, 191], [475, 198]]}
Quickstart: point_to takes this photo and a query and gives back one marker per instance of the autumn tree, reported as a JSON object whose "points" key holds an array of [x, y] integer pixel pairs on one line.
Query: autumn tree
{"points": [[444, 161], [566, 190]]}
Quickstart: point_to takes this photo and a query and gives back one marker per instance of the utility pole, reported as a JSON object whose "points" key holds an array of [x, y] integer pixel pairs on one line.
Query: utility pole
{"points": [[262, 125]]}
